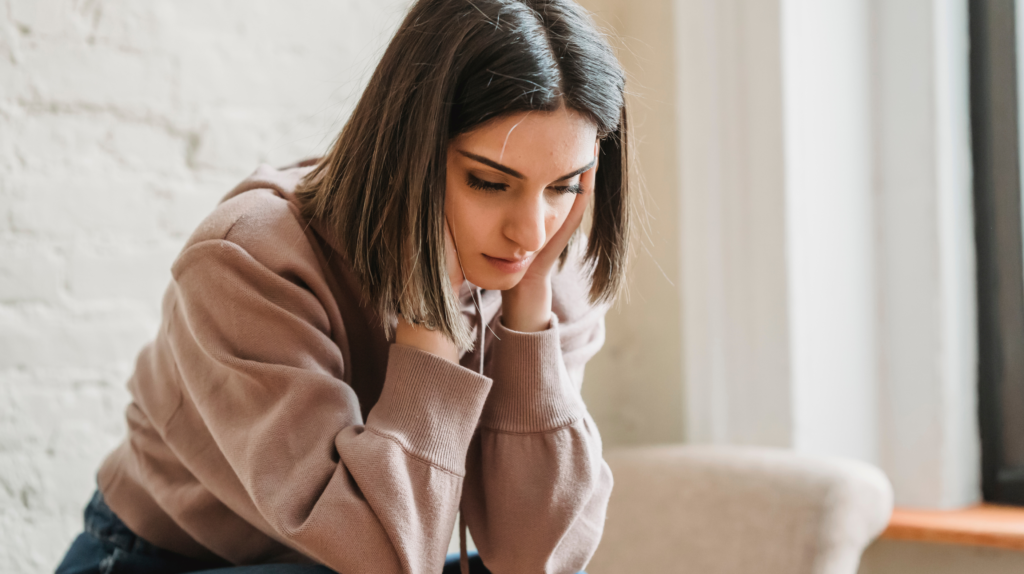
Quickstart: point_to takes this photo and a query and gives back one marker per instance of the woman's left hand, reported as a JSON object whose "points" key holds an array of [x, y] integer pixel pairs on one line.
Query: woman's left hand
{"points": [[527, 306]]}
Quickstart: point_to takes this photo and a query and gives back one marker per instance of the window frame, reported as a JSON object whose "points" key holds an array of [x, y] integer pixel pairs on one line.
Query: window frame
{"points": [[1000, 256]]}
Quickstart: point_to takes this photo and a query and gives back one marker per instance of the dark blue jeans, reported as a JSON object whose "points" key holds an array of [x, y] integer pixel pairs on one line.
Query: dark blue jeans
{"points": [[107, 546]]}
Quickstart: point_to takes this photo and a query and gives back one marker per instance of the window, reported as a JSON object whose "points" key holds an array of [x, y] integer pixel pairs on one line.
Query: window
{"points": [[996, 142]]}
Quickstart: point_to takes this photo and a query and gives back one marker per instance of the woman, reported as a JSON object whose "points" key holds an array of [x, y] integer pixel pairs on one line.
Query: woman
{"points": [[355, 348]]}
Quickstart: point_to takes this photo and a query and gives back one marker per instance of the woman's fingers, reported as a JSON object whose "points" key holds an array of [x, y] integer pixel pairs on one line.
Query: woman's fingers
{"points": [[547, 257], [572, 222], [579, 206]]}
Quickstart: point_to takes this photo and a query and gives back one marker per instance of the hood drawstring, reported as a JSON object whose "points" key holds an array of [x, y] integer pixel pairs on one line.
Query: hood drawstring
{"points": [[477, 298], [463, 555], [481, 328]]}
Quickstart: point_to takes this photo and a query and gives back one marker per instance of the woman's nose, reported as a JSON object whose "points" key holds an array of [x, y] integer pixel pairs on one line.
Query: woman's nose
{"points": [[525, 224]]}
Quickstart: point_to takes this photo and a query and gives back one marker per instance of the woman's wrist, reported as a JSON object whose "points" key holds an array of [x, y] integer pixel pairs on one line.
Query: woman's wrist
{"points": [[527, 306], [424, 339]]}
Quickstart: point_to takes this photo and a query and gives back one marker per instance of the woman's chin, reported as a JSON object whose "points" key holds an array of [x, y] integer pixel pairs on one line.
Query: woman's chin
{"points": [[494, 281]]}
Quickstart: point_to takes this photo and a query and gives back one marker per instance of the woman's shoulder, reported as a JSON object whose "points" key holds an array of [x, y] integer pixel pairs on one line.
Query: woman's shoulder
{"points": [[260, 216], [261, 202]]}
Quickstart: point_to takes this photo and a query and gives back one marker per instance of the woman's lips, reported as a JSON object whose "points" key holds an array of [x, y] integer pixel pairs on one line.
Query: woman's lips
{"points": [[508, 265]]}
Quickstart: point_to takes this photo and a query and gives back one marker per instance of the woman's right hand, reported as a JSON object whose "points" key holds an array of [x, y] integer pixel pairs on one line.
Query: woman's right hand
{"points": [[419, 336]]}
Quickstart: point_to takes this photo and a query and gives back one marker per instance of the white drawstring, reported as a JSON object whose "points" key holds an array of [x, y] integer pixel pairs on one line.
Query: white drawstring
{"points": [[477, 298], [477, 302]]}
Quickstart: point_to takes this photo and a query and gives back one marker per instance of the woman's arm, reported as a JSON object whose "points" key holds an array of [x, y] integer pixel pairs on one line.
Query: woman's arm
{"points": [[536, 485], [256, 357]]}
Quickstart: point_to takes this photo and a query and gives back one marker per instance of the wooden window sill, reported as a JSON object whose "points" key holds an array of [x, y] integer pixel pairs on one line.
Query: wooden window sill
{"points": [[983, 525]]}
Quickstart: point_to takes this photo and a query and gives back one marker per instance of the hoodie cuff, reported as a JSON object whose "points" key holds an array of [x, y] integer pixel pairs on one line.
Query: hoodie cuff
{"points": [[532, 392], [430, 406]]}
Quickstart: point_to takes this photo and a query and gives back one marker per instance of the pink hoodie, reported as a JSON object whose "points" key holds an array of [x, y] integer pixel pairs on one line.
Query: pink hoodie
{"points": [[272, 421]]}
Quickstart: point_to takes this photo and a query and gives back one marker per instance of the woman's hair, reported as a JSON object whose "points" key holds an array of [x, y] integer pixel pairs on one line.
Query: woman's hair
{"points": [[451, 66]]}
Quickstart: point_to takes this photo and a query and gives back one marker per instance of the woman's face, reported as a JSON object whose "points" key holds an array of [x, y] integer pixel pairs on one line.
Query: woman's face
{"points": [[510, 185]]}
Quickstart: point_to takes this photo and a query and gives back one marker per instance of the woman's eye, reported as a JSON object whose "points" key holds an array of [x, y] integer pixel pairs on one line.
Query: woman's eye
{"points": [[477, 183], [574, 188]]}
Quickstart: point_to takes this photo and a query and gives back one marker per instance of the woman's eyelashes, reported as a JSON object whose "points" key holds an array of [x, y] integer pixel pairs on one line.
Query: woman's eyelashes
{"points": [[484, 185], [477, 183], [574, 188]]}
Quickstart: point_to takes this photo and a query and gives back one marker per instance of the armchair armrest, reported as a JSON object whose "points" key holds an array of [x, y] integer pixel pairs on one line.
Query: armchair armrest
{"points": [[739, 510]]}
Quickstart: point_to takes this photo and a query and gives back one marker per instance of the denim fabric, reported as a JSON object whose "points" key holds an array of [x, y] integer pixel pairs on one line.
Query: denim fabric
{"points": [[108, 547]]}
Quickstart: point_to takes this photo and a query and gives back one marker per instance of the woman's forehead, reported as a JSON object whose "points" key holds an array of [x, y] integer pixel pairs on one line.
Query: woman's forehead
{"points": [[537, 144]]}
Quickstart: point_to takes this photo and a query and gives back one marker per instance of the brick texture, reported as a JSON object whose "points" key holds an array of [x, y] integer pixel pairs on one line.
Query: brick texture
{"points": [[121, 125]]}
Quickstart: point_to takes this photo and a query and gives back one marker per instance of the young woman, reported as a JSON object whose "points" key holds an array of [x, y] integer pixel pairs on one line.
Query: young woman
{"points": [[356, 348]]}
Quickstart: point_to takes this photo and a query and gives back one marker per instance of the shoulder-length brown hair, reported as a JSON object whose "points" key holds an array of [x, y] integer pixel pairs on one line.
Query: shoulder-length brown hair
{"points": [[451, 66]]}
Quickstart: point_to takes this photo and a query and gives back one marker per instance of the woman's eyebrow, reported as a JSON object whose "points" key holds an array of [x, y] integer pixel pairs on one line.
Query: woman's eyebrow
{"points": [[492, 163], [579, 171], [516, 174]]}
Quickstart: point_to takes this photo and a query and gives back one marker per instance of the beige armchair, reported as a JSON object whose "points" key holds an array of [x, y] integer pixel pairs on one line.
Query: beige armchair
{"points": [[738, 510]]}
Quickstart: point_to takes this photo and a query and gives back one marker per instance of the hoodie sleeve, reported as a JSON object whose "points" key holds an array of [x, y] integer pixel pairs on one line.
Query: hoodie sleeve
{"points": [[256, 356], [537, 486]]}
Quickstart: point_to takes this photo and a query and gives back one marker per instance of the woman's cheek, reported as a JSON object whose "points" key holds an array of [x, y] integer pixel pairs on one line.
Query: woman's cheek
{"points": [[460, 208], [561, 213], [479, 223]]}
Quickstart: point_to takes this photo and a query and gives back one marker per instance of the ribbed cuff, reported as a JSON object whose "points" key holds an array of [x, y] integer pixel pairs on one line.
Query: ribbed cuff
{"points": [[430, 406], [531, 391]]}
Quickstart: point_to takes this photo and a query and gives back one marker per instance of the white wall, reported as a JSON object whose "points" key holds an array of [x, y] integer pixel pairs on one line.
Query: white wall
{"points": [[829, 226], [925, 251], [633, 387], [827, 267], [846, 324], [121, 125], [732, 222]]}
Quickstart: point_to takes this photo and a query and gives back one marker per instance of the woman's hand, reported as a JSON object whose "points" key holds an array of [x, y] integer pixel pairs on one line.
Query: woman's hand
{"points": [[423, 338], [527, 306]]}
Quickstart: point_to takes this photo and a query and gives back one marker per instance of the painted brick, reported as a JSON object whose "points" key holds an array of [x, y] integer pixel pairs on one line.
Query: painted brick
{"points": [[49, 143], [122, 123], [234, 142], [187, 205], [148, 148], [41, 337], [29, 273], [131, 25], [8, 115], [116, 273], [102, 76], [51, 20], [93, 207]]}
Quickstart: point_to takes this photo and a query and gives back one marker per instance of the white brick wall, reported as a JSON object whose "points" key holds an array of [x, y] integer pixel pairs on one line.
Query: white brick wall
{"points": [[121, 124]]}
